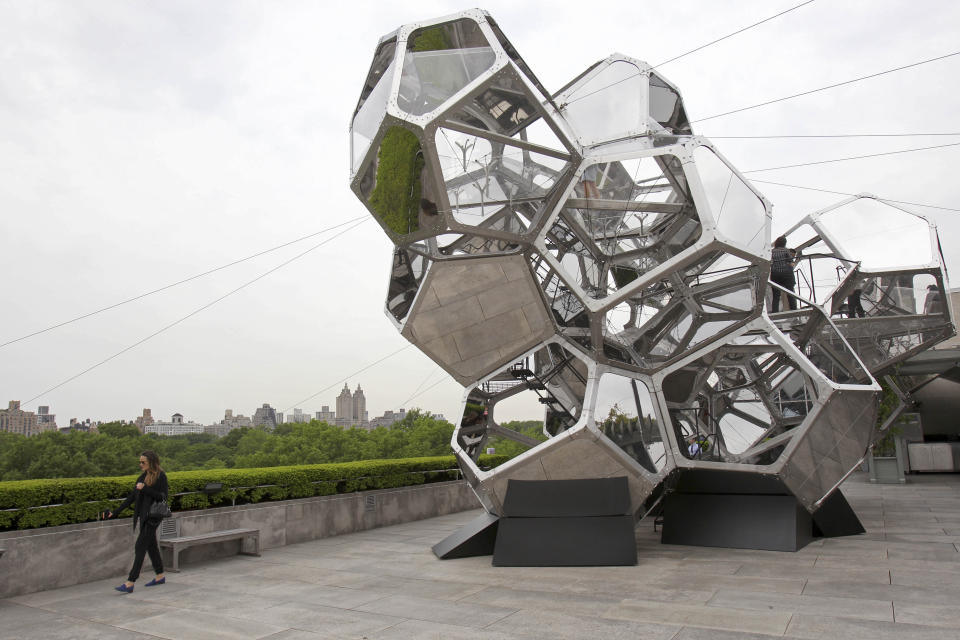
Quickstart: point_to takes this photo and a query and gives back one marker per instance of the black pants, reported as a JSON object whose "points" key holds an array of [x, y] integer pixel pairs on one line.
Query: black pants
{"points": [[786, 284], [146, 543]]}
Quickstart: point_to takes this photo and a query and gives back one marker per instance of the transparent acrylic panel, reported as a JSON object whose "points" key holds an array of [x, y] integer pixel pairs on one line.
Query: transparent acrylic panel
{"points": [[405, 279], [563, 378], [878, 235], [635, 206], [818, 271], [737, 298], [666, 107], [709, 330], [739, 213], [901, 294], [828, 351], [579, 265], [792, 395], [472, 432], [624, 414], [369, 115], [744, 420], [382, 60], [482, 176], [504, 107], [607, 106], [565, 307], [440, 61]]}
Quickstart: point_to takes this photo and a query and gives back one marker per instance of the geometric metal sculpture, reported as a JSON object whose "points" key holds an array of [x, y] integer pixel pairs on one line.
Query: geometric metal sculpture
{"points": [[586, 247]]}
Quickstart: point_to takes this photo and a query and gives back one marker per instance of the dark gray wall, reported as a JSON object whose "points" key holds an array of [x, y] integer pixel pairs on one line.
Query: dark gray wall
{"points": [[940, 408]]}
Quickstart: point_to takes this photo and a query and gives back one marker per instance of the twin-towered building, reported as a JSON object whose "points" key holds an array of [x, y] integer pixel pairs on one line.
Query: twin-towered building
{"points": [[351, 408]]}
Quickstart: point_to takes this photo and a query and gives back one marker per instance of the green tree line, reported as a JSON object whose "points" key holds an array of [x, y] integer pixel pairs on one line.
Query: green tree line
{"points": [[115, 449]]}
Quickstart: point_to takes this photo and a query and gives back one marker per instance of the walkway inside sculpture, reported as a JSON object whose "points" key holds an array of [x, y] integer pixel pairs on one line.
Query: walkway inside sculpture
{"points": [[899, 580]]}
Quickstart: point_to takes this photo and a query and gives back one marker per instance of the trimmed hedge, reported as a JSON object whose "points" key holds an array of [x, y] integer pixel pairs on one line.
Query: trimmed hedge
{"points": [[29, 504]]}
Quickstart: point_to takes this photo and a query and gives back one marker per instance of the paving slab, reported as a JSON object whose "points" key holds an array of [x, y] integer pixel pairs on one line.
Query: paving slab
{"points": [[899, 580]]}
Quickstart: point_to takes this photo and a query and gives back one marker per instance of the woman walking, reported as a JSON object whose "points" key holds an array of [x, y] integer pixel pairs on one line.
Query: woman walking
{"points": [[151, 487]]}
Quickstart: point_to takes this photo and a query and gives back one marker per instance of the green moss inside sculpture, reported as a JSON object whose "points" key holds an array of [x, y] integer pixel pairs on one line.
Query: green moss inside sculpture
{"points": [[396, 198]]}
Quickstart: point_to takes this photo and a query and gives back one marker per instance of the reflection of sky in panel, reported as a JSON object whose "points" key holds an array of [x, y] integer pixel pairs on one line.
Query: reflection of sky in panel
{"points": [[738, 433], [741, 298], [368, 118], [891, 298], [462, 154], [819, 274], [614, 110], [739, 213], [616, 390], [430, 77], [879, 235]]}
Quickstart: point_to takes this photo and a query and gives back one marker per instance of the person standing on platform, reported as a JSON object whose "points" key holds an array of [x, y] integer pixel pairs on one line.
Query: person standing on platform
{"points": [[782, 261]]}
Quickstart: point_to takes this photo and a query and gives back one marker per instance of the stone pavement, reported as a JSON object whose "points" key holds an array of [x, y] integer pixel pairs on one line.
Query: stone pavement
{"points": [[899, 580]]}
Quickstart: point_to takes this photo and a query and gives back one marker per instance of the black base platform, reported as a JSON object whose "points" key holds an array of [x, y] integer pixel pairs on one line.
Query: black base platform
{"points": [[552, 523], [476, 538], [710, 508]]}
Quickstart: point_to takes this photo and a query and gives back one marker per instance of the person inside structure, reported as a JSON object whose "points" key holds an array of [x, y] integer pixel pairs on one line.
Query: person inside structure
{"points": [[782, 261]]}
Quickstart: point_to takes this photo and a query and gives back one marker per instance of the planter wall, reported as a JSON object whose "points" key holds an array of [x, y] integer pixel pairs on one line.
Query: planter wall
{"points": [[34, 559]]}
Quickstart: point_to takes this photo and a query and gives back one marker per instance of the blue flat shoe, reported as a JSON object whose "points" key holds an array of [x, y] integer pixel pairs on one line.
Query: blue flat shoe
{"points": [[123, 588], [155, 582]]}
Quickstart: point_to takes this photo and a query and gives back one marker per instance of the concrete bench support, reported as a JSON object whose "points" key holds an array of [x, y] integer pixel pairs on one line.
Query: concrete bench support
{"points": [[176, 545]]}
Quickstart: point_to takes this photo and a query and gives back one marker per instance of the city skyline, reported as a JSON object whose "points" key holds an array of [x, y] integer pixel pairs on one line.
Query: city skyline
{"points": [[232, 417], [220, 134]]}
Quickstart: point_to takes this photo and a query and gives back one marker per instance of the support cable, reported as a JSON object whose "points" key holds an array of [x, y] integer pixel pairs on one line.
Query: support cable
{"points": [[347, 377], [869, 155], [829, 86], [196, 311], [833, 135], [729, 35], [420, 393], [844, 193], [179, 282]]}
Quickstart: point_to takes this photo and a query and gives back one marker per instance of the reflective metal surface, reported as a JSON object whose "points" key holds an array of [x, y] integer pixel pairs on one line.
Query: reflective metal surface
{"points": [[586, 249]]}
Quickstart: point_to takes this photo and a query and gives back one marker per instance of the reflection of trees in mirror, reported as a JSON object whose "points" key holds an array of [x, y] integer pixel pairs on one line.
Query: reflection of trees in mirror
{"points": [[886, 444], [507, 447], [396, 198], [430, 39]]}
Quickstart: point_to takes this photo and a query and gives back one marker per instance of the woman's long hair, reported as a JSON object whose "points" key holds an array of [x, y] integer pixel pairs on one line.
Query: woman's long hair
{"points": [[153, 467]]}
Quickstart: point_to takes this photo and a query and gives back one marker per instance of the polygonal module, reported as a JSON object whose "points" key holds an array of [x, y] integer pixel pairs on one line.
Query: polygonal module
{"points": [[890, 301], [453, 147], [587, 250], [796, 406], [476, 314], [654, 252], [600, 423]]}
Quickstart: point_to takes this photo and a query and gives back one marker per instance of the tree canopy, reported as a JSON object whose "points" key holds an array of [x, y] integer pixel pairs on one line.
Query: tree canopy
{"points": [[115, 449]]}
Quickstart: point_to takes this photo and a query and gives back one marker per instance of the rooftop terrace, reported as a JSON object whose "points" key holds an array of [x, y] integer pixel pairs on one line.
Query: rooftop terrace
{"points": [[899, 580]]}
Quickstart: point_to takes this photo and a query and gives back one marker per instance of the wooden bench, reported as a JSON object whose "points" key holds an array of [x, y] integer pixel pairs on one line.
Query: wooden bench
{"points": [[178, 544]]}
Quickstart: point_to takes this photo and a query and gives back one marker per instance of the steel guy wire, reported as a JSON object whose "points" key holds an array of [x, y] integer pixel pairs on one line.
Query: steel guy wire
{"points": [[344, 379], [833, 135], [845, 193], [869, 155], [179, 282], [196, 311], [729, 35], [829, 86]]}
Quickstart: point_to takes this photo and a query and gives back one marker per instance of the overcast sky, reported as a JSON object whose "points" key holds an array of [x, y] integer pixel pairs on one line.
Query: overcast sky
{"points": [[144, 142]]}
